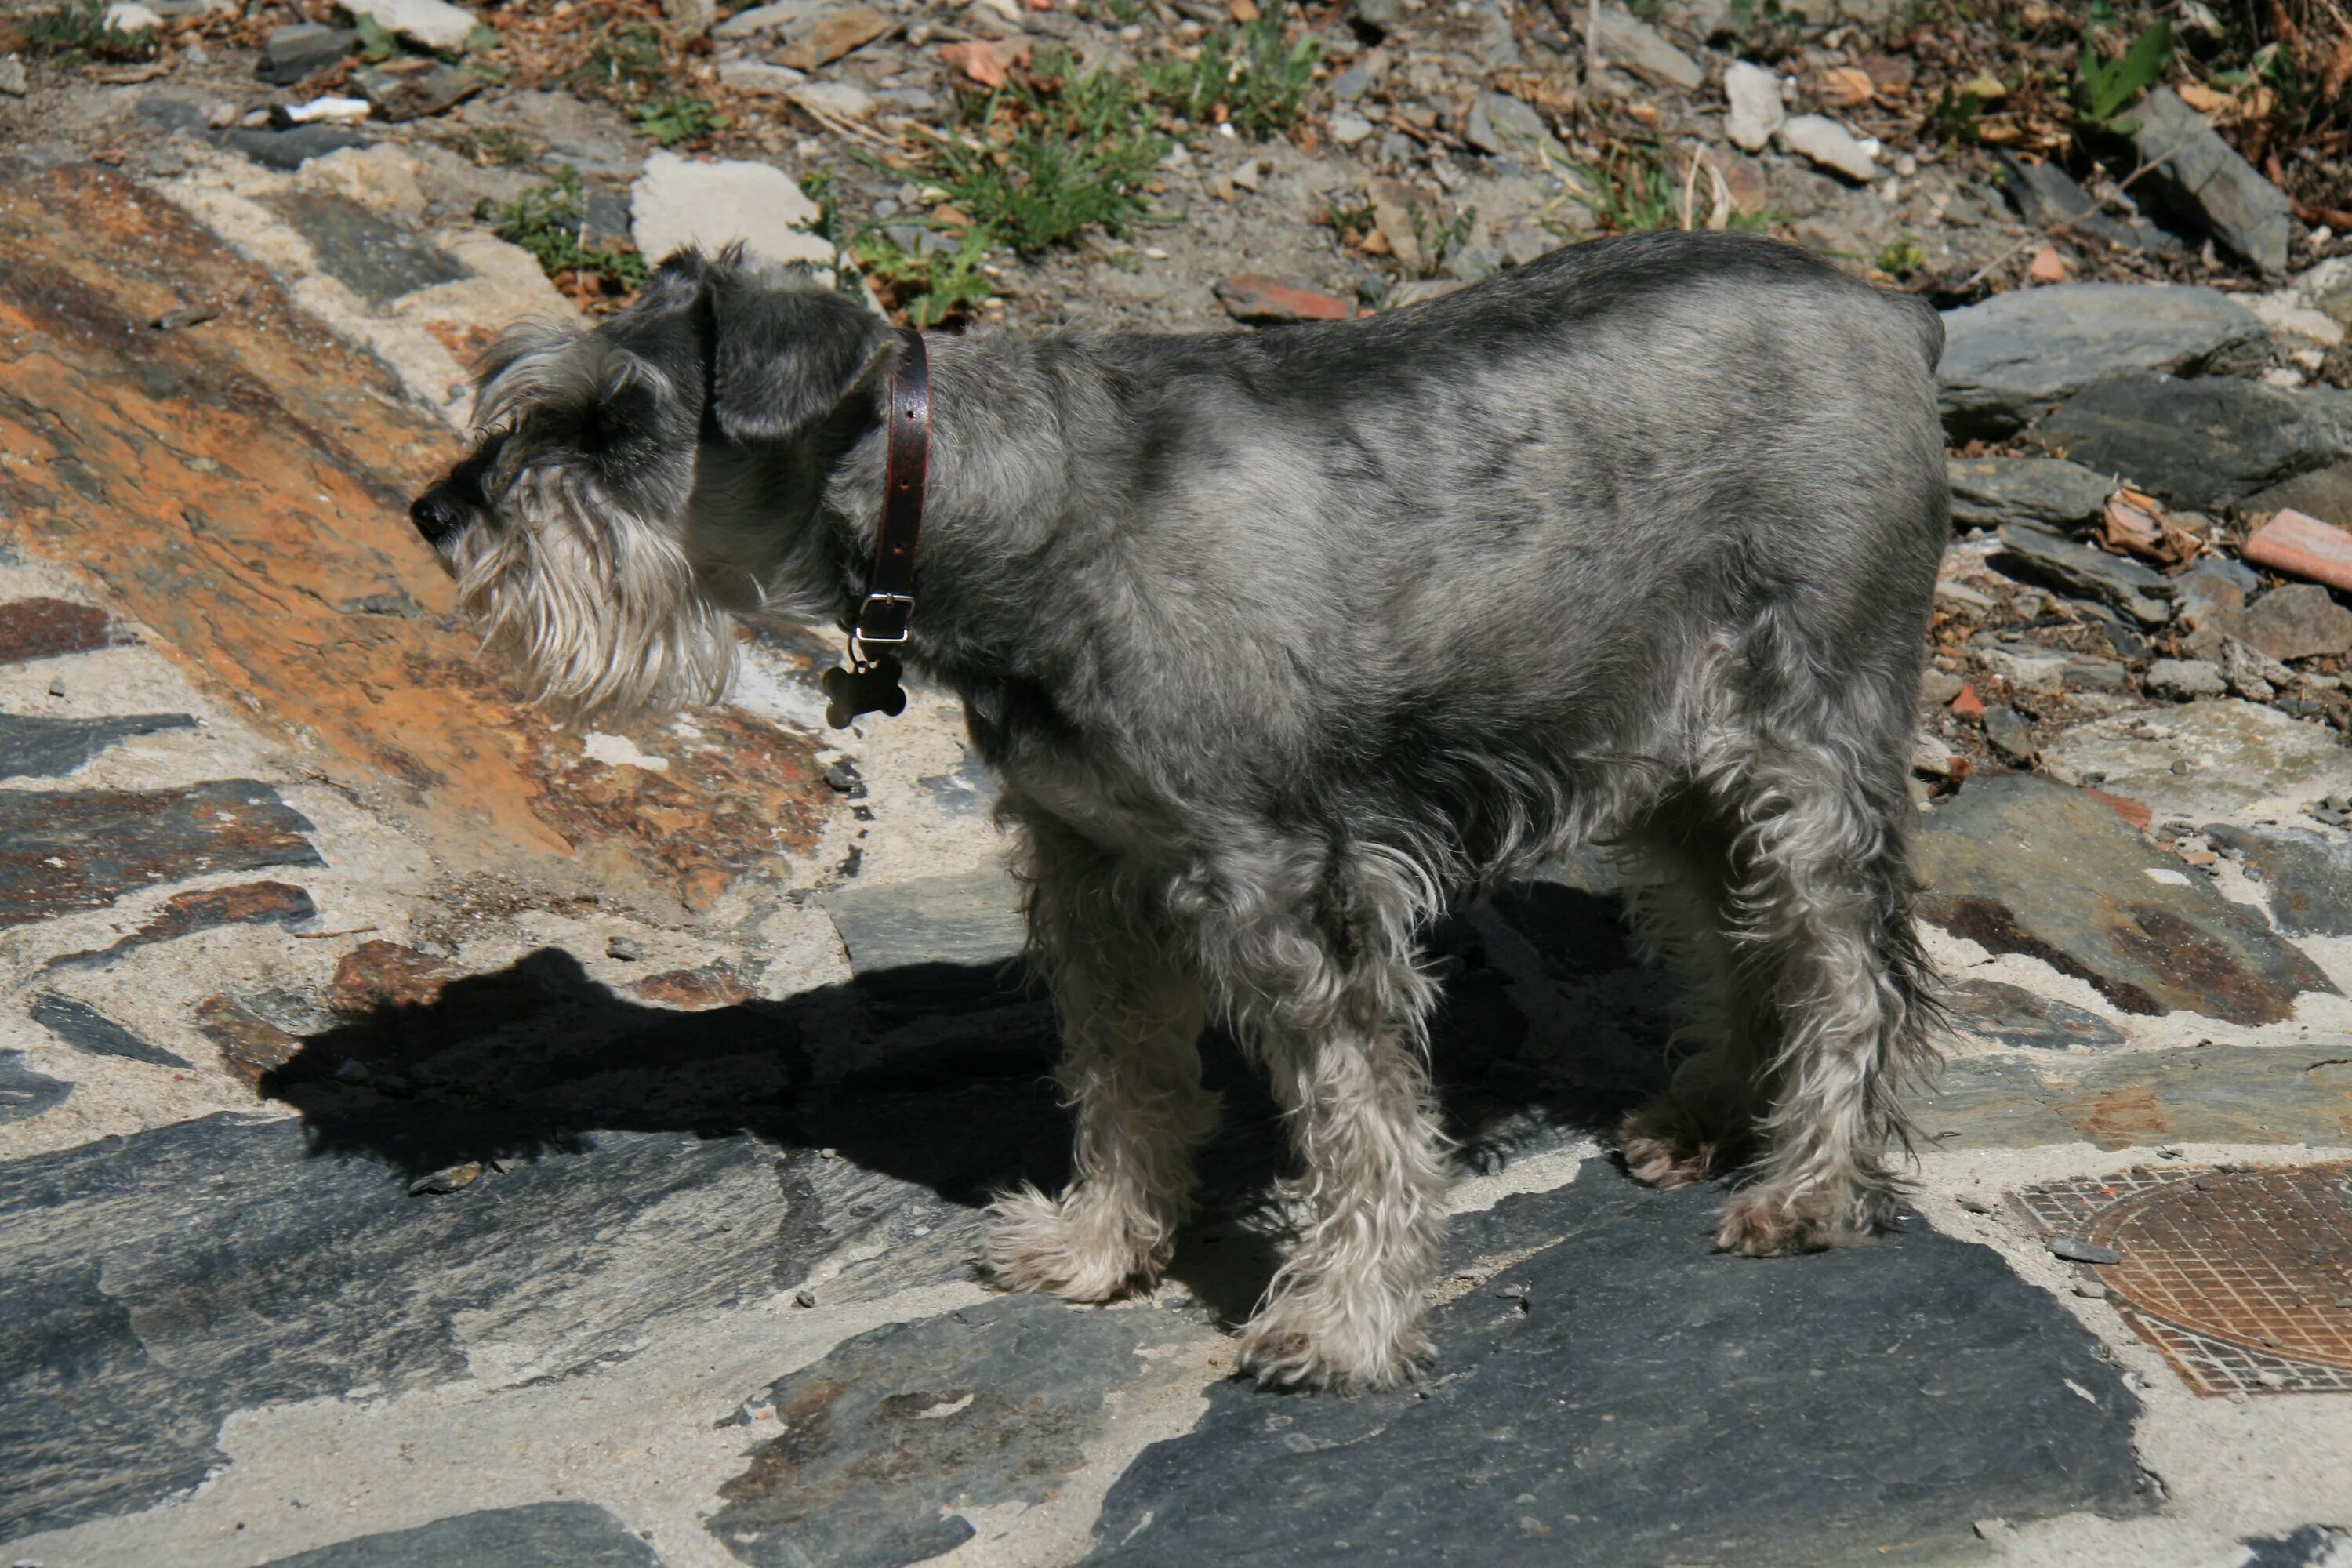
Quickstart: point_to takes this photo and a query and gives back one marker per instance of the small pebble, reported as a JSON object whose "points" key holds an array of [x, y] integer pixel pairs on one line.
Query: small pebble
{"points": [[56, 686], [448, 1179], [803, 1298], [2090, 1289], [626, 949], [2268, 1379], [843, 779], [2075, 1250], [1973, 1203]]}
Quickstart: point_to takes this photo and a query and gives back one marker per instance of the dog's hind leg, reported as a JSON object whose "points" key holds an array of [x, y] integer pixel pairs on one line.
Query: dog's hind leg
{"points": [[1131, 1069], [1703, 1123], [1820, 897]]}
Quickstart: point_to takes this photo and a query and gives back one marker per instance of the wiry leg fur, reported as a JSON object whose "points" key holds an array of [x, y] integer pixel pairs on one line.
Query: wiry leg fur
{"points": [[1130, 1070]]}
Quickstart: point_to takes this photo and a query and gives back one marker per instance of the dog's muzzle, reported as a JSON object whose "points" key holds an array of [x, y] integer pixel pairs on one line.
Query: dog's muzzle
{"points": [[439, 517]]}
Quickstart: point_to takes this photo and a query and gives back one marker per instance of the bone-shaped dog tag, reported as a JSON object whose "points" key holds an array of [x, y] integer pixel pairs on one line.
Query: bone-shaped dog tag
{"points": [[873, 690]]}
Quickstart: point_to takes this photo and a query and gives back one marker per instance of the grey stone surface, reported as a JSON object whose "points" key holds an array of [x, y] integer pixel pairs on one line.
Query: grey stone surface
{"points": [[678, 200], [374, 257], [413, 88], [2183, 679], [2297, 621], [2086, 571], [2018, 864], [2012, 1016], [153, 1284], [293, 52], [2045, 195], [2204, 759], [2324, 493], [24, 1093], [92, 1032], [972, 919], [2306, 1546], [2307, 876], [889, 1438], [1626, 1396], [538, 1535], [2201, 178], [289, 150], [1500, 123], [436, 23], [2008, 358], [34, 746], [1826, 143], [2049, 493], [2211, 601], [1630, 44], [2203, 443]]}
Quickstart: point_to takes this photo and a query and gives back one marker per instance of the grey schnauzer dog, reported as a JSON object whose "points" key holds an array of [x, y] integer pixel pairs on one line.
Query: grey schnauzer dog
{"points": [[1283, 641]]}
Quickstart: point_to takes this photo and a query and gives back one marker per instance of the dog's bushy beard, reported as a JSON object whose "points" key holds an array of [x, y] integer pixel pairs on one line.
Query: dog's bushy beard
{"points": [[597, 611]]}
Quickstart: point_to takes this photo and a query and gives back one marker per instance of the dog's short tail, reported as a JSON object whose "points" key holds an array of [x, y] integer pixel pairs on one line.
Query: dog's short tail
{"points": [[1929, 321]]}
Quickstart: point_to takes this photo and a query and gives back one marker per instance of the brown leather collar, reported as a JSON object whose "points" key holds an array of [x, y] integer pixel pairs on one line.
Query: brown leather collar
{"points": [[889, 605], [870, 684]]}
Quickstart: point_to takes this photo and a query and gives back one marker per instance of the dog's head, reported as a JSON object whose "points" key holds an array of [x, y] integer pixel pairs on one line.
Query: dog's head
{"points": [[599, 530]]}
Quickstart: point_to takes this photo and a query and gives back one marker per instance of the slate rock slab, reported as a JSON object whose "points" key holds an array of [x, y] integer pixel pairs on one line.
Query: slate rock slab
{"points": [[2045, 195], [972, 918], [2212, 1094], [34, 746], [24, 1093], [2298, 621], [1615, 1398], [2018, 864], [2203, 443], [2201, 178], [2204, 759], [153, 1284], [2048, 492], [889, 1437], [2307, 876], [293, 52], [2012, 1016], [62, 850], [2008, 360], [2083, 570], [371, 255], [93, 1034], [540, 1535]]}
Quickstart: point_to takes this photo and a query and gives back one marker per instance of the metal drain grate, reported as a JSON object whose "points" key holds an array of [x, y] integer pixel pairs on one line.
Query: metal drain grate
{"points": [[2243, 1279]]}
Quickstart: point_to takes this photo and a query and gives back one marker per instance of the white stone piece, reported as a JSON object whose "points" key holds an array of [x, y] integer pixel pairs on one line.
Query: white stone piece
{"points": [[436, 23], [1754, 95], [130, 16], [759, 76], [678, 202], [838, 98], [1833, 146]]}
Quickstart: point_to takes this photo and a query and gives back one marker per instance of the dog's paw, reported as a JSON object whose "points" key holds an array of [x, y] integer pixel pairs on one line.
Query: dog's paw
{"points": [[1763, 1223], [1066, 1246], [1663, 1148], [1294, 1343]]}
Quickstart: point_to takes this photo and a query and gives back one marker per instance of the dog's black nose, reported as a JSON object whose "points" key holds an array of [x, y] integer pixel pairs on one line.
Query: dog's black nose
{"points": [[437, 516]]}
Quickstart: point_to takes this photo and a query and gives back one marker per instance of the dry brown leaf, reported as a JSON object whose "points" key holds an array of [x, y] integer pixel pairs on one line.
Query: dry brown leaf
{"points": [[1243, 11], [1844, 87], [987, 62], [2202, 99], [2047, 267]]}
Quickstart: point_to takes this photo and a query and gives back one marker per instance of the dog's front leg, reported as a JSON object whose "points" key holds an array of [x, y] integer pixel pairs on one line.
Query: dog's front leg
{"points": [[1131, 1069], [1346, 1310]]}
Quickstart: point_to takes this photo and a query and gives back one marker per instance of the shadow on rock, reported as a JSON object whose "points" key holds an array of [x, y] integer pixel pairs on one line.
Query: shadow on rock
{"points": [[934, 1074]]}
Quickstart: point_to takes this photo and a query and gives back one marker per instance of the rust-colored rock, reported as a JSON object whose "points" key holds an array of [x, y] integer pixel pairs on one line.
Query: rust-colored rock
{"points": [[247, 903], [695, 990], [377, 975], [251, 1044], [1248, 297], [62, 850], [835, 33], [46, 628], [237, 488]]}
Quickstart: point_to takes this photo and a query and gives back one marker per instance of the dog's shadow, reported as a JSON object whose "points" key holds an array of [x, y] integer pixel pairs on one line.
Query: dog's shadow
{"points": [[936, 1074]]}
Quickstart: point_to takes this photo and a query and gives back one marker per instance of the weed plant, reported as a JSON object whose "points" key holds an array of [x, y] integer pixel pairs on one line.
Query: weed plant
{"points": [[78, 32], [551, 223]]}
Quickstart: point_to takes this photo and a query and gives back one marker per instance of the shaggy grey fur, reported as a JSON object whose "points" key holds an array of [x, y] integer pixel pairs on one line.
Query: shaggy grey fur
{"points": [[1283, 641]]}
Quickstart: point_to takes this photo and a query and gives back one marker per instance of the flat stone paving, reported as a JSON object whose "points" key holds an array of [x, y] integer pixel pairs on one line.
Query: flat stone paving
{"points": [[427, 1137]]}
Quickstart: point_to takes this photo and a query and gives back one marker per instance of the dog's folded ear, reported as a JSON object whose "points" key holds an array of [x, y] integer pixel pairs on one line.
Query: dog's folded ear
{"points": [[787, 357]]}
